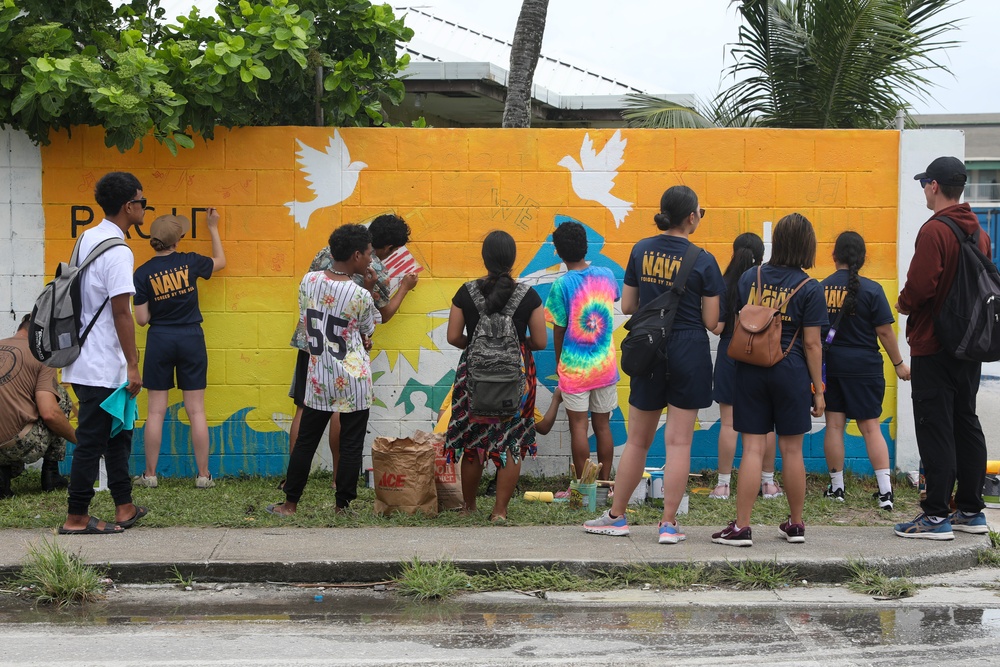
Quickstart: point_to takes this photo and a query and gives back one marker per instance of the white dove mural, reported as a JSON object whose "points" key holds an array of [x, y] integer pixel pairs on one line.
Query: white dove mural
{"points": [[593, 176], [331, 176]]}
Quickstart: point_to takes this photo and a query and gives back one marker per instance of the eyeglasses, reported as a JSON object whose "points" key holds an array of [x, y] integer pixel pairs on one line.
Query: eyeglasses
{"points": [[140, 202], [924, 182], [701, 213]]}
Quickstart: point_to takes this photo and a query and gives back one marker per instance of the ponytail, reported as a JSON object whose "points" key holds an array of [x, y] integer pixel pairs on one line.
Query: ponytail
{"points": [[748, 250], [850, 250]]}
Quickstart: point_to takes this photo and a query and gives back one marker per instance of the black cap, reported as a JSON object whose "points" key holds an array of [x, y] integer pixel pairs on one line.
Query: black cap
{"points": [[946, 171]]}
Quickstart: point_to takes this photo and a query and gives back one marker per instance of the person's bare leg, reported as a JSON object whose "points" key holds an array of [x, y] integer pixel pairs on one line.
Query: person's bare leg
{"points": [[833, 441], [677, 438], [507, 477], [293, 431], [579, 426], [750, 466], [642, 425], [605, 442], [878, 451], [472, 473], [194, 405], [153, 432], [793, 474]]}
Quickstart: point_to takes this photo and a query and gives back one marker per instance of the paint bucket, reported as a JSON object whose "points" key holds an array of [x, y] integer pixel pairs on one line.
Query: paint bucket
{"points": [[991, 492], [602, 496], [638, 496], [538, 496], [993, 467], [583, 496], [656, 484], [683, 507]]}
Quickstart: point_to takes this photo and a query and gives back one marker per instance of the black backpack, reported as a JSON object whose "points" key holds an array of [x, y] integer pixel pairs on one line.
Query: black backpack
{"points": [[645, 345], [968, 324]]}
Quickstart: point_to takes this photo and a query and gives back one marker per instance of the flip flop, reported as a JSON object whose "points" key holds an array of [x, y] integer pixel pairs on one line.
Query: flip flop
{"points": [[270, 509], [92, 529], [139, 513]]}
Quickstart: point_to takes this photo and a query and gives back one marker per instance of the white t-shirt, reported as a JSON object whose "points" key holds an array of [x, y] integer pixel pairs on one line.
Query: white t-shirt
{"points": [[101, 362]]}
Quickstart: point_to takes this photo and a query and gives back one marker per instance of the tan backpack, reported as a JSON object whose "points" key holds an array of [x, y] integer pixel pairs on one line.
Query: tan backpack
{"points": [[757, 334]]}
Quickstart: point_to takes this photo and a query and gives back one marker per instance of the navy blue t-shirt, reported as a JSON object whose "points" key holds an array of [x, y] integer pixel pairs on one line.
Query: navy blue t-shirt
{"points": [[854, 351], [806, 309], [652, 266], [168, 284]]}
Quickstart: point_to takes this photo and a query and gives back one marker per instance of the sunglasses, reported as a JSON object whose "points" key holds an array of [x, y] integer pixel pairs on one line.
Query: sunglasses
{"points": [[924, 182], [701, 213], [140, 202]]}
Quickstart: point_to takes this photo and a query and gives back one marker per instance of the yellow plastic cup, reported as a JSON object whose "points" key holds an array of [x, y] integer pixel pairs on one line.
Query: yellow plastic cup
{"points": [[538, 496]]}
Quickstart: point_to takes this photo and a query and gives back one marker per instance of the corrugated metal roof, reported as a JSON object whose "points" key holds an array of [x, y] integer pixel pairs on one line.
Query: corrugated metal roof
{"points": [[437, 39]]}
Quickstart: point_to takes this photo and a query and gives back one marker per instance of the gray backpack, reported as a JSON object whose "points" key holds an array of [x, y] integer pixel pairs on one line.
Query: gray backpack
{"points": [[54, 329], [494, 364]]}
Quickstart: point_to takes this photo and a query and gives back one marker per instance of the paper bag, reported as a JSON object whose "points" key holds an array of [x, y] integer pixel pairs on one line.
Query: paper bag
{"points": [[447, 475], [404, 476]]}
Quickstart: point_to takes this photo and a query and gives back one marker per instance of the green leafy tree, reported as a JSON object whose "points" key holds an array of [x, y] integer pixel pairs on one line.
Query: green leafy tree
{"points": [[819, 64], [254, 64]]}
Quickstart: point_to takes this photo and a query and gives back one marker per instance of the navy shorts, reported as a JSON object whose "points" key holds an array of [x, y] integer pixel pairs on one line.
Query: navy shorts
{"points": [[180, 349], [773, 399], [690, 384], [725, 374], [857, 397], [297, 392]]}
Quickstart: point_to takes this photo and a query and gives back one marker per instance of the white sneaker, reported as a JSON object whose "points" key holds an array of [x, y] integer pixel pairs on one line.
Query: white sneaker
{"points": [[142, 480], [204, 482]]}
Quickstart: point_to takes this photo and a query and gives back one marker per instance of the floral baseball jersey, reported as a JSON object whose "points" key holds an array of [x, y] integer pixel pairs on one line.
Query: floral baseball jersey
{"points": [[334, 315], [584, 303]]}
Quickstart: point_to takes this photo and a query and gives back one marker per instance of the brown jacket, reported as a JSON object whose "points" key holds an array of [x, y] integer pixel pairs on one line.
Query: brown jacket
{"points": [[931, 273]]}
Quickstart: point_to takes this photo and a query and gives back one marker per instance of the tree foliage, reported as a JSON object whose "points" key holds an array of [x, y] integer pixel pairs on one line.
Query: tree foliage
{"points": [[83, 63], [822, 64]]}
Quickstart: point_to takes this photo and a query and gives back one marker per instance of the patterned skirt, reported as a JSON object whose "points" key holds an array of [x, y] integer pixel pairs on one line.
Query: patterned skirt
{"points": [[501, 442]]}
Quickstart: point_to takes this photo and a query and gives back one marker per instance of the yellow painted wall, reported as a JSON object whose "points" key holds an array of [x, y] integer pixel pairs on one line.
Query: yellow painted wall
{"points": [[452, 186]]}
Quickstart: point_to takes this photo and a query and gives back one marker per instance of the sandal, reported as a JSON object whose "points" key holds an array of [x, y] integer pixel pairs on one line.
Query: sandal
{"points": [[497, 520], [720, 492], [139, 513], [92, 529]]}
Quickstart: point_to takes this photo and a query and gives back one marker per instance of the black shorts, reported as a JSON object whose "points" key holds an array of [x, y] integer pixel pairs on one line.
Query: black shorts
{"points": [[773, 399], [857, 397], [180, 349], [297, 392], [690, 383], [725, 374]]}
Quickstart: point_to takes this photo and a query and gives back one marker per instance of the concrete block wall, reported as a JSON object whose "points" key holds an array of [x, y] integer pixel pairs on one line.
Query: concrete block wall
{"points": [[22, 228], [453, 186]]}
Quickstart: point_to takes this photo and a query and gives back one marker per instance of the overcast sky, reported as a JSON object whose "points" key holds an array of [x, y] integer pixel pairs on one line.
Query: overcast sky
{"points": [[679, 46]]}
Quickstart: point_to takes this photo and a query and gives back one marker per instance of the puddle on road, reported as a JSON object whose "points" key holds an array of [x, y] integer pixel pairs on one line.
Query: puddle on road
{"points": [[500, 622]]}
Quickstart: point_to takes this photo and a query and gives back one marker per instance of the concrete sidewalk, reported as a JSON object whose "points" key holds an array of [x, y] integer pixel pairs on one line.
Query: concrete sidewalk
{"points": [[148, 555]]}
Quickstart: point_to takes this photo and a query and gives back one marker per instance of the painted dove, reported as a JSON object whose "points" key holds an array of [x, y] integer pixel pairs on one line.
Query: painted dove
{"points": [[593, 176], [331, 176]]}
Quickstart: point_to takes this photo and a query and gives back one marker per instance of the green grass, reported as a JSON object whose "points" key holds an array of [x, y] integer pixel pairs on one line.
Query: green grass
{"points": [[51, 574], [181, 580], [431, 581], [239, 502], [869, 579], [758, 575], [990, 556]]}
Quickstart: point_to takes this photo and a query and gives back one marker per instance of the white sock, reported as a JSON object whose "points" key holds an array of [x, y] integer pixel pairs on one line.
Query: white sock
{"points": [[837, 480], [767, 477], [724, 479], [884, 481]]}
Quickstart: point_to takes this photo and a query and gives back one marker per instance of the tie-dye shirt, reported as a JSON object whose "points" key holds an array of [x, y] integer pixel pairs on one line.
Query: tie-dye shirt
{"points": [[584, 303]]}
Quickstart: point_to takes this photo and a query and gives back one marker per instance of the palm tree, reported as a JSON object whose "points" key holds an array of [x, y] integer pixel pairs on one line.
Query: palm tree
{"points": [[823, 64], [523, 59]]}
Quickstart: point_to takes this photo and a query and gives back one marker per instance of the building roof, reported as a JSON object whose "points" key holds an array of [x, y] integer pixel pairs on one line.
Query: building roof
{"points": [[459, 75]]}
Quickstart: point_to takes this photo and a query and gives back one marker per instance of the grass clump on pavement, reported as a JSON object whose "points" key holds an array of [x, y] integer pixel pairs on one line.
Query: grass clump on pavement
{"points": [[758, 575], [990, 556], [431, 581], [50, 574], [239, 502], [868, 579]]}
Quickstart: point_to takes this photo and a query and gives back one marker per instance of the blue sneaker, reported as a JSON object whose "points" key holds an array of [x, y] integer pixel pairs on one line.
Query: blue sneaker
{"points": [[975, 524], [671, 533], [607, 525], [924, 529]]}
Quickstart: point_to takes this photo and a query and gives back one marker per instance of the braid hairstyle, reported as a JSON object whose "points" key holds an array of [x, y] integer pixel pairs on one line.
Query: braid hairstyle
{"points": [[499, 253], [748, 250], [850, 250]]}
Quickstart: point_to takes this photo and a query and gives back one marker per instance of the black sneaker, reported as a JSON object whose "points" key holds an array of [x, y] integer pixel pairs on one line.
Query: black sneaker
{"points": [[742, 537], [834, 494], [885, 500]]}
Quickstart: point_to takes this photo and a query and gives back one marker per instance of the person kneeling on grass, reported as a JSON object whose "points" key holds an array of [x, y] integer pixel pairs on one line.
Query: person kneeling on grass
{"points": [[338, 316]]}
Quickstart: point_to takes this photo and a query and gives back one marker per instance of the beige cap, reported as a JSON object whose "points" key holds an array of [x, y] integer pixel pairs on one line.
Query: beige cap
{"points": [[168, 229]]}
